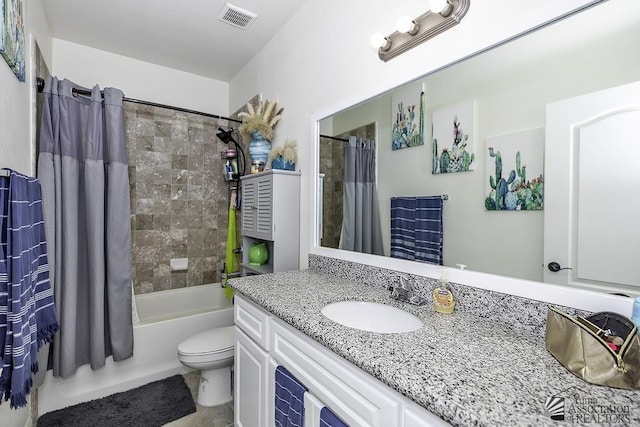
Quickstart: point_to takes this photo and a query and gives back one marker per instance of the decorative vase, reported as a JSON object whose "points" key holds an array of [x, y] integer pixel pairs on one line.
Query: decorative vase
{"points": [[259, 148], [280, 163], [258, 253]]}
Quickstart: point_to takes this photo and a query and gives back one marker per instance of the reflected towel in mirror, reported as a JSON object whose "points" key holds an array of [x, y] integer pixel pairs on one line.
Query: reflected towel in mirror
{"points": [[416, 228]]}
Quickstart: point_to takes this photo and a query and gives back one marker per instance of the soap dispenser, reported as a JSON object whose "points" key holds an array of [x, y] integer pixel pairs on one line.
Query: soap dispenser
{"points": [[443, 301]]}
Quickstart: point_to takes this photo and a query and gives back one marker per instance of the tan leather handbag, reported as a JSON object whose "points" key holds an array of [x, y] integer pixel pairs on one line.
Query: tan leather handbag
{"points": [[603, 348]]}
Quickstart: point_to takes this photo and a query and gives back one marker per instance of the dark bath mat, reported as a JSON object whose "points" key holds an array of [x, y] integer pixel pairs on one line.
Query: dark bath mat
{"points": [[151, 405]]}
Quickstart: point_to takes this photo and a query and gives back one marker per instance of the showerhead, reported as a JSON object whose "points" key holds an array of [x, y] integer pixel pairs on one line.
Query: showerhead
{"points": [[226, 136]]}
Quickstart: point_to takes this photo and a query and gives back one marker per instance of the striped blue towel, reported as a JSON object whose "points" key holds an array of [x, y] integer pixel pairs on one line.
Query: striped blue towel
{"points": [[416, 228], [289, 399], [329, 419], [27, 314]]}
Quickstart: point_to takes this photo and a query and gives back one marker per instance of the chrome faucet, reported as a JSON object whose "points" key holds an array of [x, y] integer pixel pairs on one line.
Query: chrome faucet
{"points": [[403, 291]]}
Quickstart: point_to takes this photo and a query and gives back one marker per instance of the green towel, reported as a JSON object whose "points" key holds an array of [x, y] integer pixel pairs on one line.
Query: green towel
{"points": [[231, 259]]}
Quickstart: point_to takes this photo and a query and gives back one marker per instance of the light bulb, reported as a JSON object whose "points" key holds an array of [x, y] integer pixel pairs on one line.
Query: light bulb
{"points": [[378, 40], [406, 25], [437, 6]]}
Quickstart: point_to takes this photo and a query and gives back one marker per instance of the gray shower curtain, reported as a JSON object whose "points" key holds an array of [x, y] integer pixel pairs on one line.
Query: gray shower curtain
{"points": [[83, 169], [361, 230]]}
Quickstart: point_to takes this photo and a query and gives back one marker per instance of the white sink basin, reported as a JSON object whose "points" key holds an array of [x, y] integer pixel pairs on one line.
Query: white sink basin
{"points": [[371, 316]]}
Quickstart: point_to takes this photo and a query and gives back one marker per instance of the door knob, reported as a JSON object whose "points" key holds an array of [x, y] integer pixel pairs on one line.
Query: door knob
{"points": [[555, 267]]}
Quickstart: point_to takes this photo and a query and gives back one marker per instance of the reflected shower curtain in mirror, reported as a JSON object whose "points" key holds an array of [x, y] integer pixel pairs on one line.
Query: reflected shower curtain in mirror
{"points": [[361, 230], [83, 169]]}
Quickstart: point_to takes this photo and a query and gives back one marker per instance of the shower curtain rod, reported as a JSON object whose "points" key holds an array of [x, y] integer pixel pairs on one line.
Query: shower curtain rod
{"points": [[334, 138], [40, 86]]}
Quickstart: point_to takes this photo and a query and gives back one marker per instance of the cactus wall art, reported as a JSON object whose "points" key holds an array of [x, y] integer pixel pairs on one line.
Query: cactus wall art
{"points": [[12, 40], [408, 117], [453, 139], [514, 165]]}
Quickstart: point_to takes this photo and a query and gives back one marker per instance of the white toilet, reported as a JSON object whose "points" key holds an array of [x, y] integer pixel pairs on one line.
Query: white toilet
{"points": [[211, 352]]}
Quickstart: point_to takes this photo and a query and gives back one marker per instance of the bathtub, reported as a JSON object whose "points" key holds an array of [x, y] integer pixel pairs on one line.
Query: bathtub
{"points": [[165, 319]]}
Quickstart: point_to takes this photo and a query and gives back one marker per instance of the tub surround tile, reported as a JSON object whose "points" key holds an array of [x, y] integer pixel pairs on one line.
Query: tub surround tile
{"points": [[178, 280], [177, 188], [161, 283], [210, 276], [179, 250], [143, 286], [180, 162], [144, 222], [477, 366]]}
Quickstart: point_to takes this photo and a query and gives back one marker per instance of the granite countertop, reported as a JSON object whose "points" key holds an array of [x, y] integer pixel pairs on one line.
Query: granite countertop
{"points": [[466, 369]]}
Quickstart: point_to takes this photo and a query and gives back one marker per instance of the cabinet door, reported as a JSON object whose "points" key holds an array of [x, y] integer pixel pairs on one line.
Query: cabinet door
{"points": [[312, 408], [264, 207], [248, 207], [251, 377]]}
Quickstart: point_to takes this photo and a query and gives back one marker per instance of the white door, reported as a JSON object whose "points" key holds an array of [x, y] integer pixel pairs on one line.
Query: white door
{"points": [[592, 190]]}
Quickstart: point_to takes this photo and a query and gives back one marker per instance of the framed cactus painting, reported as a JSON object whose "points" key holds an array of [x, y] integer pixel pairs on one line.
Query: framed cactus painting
{"points": [[453, 138], [407, 119], [12, 41], [514, 171]]}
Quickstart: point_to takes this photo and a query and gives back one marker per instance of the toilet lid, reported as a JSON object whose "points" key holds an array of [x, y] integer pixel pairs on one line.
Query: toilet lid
{"points": [[212, 341]]}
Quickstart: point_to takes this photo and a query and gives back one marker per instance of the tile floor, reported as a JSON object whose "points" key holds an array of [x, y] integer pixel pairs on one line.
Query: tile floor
{"points": [[217, 416]]}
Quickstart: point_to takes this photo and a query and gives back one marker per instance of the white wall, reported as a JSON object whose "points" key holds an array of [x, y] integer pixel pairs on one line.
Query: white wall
{"points": [[15, 133], [321, 62], [15, 106], [139, 80]]}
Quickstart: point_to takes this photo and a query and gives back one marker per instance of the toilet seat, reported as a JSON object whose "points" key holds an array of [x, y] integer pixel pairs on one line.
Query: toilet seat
{"points": [[212, 342]]}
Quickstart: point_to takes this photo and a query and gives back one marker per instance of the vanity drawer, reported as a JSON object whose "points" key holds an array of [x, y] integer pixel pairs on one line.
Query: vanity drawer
{"points": [[253, 321], [353, 395]]}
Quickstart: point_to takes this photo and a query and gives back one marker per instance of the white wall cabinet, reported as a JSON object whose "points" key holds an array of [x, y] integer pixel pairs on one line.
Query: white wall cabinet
{"points": [[353, 395], [271, 214]]}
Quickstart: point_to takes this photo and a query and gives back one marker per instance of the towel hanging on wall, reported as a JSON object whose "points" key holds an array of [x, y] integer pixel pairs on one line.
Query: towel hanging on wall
{"points": [[27, 312], [416, 228]]}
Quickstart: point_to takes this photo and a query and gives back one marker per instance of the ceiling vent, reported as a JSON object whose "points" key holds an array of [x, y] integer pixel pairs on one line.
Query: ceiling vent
{"points": [[238, 17]]}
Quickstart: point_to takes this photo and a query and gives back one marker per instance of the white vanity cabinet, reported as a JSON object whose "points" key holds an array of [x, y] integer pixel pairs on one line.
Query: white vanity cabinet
{"points": [[252, 371], [251, 377], [271, 214], [353, 395]]}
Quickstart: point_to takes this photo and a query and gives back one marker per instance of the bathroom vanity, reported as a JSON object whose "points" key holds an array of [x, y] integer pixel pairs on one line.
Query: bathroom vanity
{"points": [[467, 368], [264, 341]]}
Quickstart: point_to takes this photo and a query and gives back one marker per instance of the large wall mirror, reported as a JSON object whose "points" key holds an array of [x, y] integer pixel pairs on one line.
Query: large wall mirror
{"points": [[507, 90]]}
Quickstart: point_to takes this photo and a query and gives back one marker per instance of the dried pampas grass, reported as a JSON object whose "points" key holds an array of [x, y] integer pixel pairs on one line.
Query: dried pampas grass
{"points": [[260, 120], [289, 152]]}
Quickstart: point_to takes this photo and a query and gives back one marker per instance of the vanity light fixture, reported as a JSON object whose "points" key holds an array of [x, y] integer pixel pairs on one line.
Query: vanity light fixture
{"points": [[412, 32]]}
